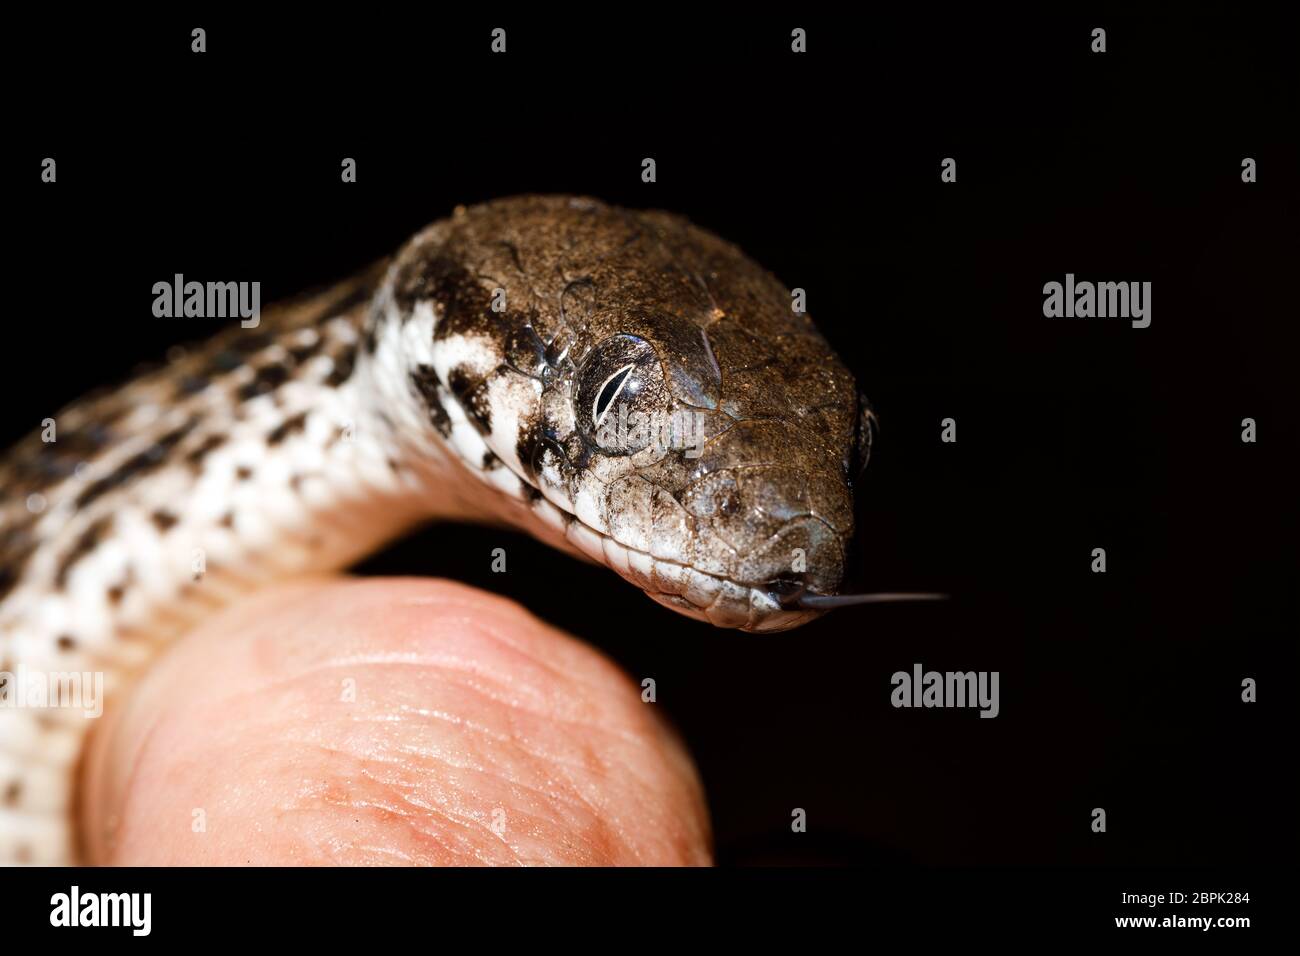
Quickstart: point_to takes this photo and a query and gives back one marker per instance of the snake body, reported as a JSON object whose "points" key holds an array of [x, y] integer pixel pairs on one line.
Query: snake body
{"points": [[467, 377]]}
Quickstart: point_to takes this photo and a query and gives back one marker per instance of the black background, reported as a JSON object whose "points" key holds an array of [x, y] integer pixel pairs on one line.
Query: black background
{"points": [[1119, 690]]}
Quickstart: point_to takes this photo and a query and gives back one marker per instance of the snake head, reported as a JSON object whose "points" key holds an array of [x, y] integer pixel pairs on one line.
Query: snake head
{"points": [[663, 407]]}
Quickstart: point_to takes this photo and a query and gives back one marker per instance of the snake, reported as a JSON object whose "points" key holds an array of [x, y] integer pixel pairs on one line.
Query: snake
{"points": [[622, 384]]}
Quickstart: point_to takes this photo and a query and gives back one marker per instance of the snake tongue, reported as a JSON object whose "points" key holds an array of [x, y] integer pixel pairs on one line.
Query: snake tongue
{"points": [[825, 602]]}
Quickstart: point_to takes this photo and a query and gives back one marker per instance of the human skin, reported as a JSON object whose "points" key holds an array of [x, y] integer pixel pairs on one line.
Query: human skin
{"points": [[387, 722]]}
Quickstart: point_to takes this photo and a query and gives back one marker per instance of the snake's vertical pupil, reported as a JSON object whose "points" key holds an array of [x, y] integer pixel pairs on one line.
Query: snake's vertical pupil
{"points": [[608, 392]]}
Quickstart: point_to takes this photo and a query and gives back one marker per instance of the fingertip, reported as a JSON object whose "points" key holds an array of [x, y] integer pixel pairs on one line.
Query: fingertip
{"points": [[388, 721]]}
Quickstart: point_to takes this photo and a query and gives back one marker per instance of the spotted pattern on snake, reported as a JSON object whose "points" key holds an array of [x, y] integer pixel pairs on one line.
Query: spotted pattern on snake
{"points": [[466, 378]]}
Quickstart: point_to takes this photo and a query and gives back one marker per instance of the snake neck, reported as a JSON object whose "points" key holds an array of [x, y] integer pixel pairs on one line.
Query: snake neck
{"points": [[297, 447]]}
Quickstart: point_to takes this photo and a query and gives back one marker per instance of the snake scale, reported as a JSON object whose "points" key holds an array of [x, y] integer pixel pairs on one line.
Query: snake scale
{"points": [[469, 377]]}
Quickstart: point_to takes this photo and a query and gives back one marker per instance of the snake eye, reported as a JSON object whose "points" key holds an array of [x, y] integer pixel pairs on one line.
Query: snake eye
{"points": [[613, 385], [619, 394]]}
